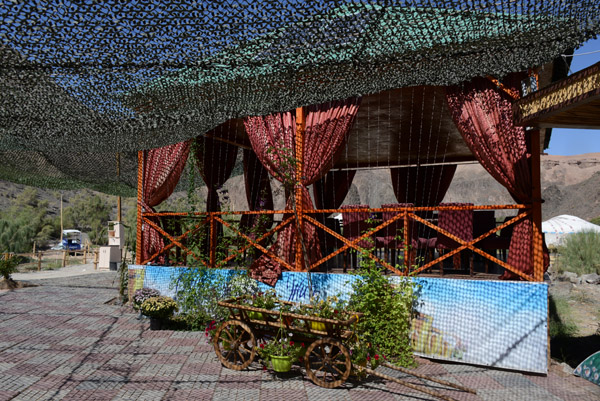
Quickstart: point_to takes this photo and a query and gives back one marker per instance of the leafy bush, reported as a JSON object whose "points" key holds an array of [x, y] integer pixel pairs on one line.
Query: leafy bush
{"points": [[198, 290], [581, 253], [89, 214], [387, 309], [8, 266], [26, 221]]}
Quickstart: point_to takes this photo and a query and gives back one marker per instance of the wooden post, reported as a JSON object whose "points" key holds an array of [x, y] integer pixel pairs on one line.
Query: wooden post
{"points": [[119, 214], [213, 240], [39, 256], [64, 258], [124, 254], [300, 128], [61, 219], [95, 259], [537, 245], [85, 251], [140, 183], [407, 246]]}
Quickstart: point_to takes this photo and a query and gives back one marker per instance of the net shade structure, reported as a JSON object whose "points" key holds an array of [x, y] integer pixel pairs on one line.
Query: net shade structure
{"points": [[123, 76], [86, 85]]}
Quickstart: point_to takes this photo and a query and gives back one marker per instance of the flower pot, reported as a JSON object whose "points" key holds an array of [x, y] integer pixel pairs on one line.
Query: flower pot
{"points": [[281, 363], [155, 323], [256, 315], [318, 326]]}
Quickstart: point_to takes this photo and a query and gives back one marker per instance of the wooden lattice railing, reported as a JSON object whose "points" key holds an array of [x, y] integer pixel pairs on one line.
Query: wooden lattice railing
{"points": [[207, 222]]}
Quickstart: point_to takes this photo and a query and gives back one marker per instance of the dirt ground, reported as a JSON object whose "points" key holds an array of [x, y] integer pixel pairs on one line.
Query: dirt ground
{"points": [[584, 302]]}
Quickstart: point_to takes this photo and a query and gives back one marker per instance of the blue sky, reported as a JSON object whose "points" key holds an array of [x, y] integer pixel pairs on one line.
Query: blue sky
{"points": [[568, 142]]}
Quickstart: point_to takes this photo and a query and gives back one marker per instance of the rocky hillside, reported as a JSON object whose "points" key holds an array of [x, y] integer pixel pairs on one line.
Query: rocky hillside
{"points": [[570, 185]]}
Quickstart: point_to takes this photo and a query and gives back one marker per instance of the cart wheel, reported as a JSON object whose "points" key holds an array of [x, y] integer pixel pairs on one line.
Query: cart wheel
{"points": [[327, 362], [235, 344]]}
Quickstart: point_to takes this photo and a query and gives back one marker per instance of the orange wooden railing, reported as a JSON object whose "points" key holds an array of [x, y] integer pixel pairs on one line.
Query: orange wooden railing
{"points": [[211, 219]]}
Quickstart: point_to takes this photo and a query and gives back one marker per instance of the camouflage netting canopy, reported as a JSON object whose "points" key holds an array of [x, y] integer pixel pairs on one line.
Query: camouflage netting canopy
{"points": [[83, 80]]}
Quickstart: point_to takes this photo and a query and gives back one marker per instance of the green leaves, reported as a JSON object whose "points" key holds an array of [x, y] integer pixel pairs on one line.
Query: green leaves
{"points": [[387, 312]]}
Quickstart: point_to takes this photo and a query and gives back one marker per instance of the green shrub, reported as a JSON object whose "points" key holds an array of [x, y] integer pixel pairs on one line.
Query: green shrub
{"points": [[581, 253], [8, 266], [388, 309], [198, 290], [26, 221]]}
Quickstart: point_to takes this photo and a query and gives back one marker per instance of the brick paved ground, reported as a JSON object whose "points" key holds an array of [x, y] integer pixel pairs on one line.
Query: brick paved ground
{"points": [[62, 341]]}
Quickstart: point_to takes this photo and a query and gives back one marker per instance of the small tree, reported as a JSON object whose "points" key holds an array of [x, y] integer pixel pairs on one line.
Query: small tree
{"points": [[8, 266]]}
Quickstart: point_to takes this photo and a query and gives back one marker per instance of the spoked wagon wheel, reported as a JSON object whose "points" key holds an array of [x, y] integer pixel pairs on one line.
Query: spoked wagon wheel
{"points": [[235, 344], [327, 362]]}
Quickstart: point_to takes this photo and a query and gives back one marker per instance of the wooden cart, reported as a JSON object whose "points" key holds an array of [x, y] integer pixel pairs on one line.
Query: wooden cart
{"points": [[327, 359]]}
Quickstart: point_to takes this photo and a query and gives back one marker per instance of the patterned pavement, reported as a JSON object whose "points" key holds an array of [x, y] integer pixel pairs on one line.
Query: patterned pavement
{"points": [[64, 340]]}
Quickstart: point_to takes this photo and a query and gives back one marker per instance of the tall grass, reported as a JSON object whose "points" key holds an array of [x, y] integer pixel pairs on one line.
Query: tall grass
{"points": [[581, 253], [560, 324]]}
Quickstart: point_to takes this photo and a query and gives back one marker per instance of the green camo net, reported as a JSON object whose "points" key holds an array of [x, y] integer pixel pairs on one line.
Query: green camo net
{"points": [[81, 81]]}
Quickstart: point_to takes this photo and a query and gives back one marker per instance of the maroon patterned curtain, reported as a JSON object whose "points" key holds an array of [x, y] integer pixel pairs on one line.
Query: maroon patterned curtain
{"points": [[215, 160], [161, 172], [331, 190], [422, 185], [258, 195], [483, 114], [274, 141]]}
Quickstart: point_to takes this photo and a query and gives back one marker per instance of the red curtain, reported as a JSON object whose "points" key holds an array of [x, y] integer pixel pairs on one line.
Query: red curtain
{"points": [[273, 138], [215, 160], [422, 185], [331, 190], [258, 195], [162, 168], [483, 115]]}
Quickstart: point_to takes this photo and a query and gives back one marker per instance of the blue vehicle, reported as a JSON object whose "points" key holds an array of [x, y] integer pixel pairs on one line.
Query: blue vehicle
{"points": [[71, 240]]}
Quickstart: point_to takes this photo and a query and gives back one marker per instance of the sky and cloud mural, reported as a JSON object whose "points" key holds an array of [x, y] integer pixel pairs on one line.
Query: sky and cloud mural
{"points": [[502, 324]]}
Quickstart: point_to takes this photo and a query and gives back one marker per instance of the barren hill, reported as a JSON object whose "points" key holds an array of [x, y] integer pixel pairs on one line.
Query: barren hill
{"points": [[570, 185]]}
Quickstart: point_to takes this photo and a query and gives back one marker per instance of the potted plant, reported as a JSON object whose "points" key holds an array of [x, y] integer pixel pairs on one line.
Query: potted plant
{"points": [[158, 308], [141, 295], [263, 300], [281, 350], [329, 308]]}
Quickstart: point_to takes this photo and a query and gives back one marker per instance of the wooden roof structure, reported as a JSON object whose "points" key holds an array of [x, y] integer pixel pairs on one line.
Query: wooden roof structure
{"points": [[397, 127], [573, 102]]}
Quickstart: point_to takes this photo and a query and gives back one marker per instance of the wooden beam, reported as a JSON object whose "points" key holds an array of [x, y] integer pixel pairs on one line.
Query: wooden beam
{"points": [[300, 128], [140, 185], [537, 245]]}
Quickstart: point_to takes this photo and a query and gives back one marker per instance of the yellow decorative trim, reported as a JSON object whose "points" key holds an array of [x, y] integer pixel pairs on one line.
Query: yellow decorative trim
{"points": [[561, 95]]}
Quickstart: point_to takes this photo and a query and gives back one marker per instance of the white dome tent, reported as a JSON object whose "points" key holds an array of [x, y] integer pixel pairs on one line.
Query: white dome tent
{"points": [[558, 228]]}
